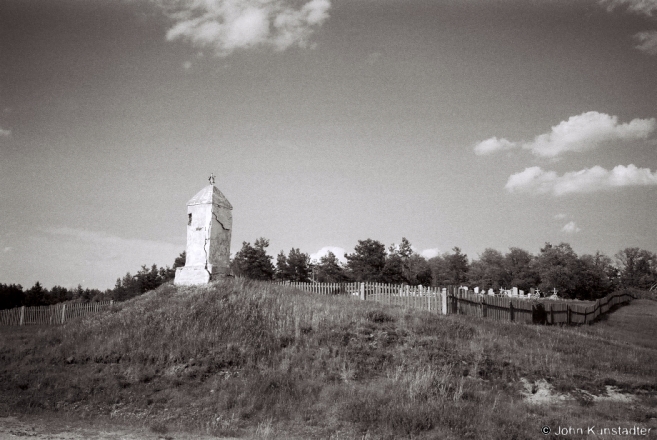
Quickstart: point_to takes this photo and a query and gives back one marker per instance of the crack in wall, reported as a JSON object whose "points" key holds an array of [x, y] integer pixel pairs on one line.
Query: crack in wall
{"points": [[218, 221], [206, 258]]}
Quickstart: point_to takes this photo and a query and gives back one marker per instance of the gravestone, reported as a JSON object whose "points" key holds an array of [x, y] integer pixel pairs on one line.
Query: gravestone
{"points": [[209, 225]]}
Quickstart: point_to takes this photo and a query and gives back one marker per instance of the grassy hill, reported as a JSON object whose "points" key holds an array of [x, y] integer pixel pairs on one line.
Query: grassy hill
{"points": [[247, 359]]}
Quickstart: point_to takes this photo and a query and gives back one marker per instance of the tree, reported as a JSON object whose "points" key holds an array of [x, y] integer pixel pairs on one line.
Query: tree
{"points": [[439, 271], [419, 270], [457, 267], [403, 265], [253, 261], [638, 267], [520, 269], [329, 270], [11, 295], [168, 274], [60, 294], [558, 267], [298, 266], [295, 267], [596, 276], [281, 266], [35, 296], [367, 261], [393, 270], [180, 260], [148, 279], [489, 271]]}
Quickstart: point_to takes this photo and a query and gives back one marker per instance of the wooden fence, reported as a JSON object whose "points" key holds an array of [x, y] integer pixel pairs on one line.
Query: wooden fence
{"points": [[532, 311], [417, 297], [49, 315], [452, 300], [448, 300]]}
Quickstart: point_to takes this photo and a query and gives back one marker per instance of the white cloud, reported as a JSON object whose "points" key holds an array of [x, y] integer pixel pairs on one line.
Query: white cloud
{"points": [[187, 65], [226, 25], [493, 145], [588, 131], [646, 7], [560, 216], [647, 42], [5, 133], [570, 228], [535, 180], [7, 249], [430, 253], [337, 251], [579, 133]]}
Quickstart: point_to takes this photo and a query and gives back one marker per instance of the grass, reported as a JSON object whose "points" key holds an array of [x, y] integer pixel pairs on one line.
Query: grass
{"points": [[248, 359]]}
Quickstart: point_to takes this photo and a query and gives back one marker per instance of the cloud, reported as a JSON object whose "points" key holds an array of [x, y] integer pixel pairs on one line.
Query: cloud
{"points": [[647, 42], [570, 228], [337, 251], [7, 249], [430, 253], [5, 133], [588, 131], [534, 180], [493, 145], [560, 216], [646, 7], [227, 25], [187, 65], [579, 133]]}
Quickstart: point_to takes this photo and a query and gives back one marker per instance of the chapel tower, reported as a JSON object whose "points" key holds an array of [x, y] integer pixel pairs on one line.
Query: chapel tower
{"points": [[209, 224]]}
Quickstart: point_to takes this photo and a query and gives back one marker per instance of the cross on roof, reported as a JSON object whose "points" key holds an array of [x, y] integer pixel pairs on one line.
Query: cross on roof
{"points": [[211, 178]]}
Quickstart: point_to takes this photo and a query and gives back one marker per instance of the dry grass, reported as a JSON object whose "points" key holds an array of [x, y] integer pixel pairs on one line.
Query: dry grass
{"points": [[240, 358]]}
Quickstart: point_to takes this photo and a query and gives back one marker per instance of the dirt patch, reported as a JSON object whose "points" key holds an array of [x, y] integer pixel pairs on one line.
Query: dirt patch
{"points": [[542, 392]]}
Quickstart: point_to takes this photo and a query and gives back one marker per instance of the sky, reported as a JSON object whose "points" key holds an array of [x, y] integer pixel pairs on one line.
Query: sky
{"points": [[470, 123]]}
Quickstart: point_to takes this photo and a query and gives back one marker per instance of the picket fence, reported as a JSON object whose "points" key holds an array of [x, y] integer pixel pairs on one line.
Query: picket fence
{"points": [[416, 297], [452, 300], [447, 300], [49, 315]]}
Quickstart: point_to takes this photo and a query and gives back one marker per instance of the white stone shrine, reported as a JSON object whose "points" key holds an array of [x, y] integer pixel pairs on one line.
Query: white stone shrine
{"points": [[209, 225]]}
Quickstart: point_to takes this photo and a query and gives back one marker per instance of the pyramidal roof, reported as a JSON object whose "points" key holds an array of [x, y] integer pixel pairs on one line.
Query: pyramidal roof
{"points": [[210, 194]]}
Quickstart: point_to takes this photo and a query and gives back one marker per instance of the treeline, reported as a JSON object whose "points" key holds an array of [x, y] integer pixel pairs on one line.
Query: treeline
{"points": [[555, 267], [13, 295]]}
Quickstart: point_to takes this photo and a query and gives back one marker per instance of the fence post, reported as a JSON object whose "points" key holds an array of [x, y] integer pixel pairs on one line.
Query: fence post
{"points": [[568, 309], [363, 295], [510, 311], [22, 321], [484, 309], [551, 315], [63, 312], [443, 300]]}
